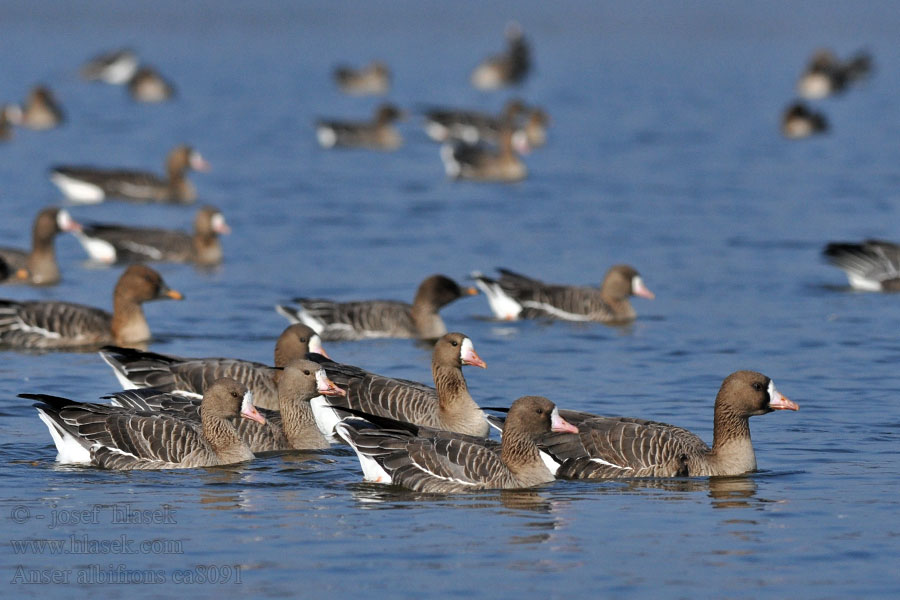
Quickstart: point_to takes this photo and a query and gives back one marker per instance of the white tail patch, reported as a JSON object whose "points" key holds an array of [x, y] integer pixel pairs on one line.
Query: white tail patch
{"points": [[69, 449], [326, 136], [372, 471], [77, 190], [502, 305], [98, 249]]}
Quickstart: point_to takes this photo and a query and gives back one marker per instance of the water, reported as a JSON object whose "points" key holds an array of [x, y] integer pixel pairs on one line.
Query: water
{"points": [[664, 153]]}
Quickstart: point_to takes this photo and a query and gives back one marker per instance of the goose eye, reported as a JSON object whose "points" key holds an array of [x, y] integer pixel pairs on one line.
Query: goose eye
{"points": [[757, 386], [303, 339], [306, 371], [454, 344], [540, 411]]}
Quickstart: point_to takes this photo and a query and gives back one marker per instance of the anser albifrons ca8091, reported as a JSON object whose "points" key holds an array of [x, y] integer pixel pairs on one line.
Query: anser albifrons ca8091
{"points": [[40, 324], [470, 126], [506, 69], [514, 296], [119, 438], [10, 115], [873, 265], [291, 427], [91, 185], [116, 67], [380, 318], [41, 110], [448, 464], [799, 121], [480, 162], [39, 267], [378, 134], [191, 376], [373, 79], [109, 243], [449, 406], [616, 447], [147, 85], [826, 74]]}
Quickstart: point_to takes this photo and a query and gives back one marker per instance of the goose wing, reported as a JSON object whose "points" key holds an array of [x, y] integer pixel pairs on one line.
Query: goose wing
{"points": [[52, 324]]}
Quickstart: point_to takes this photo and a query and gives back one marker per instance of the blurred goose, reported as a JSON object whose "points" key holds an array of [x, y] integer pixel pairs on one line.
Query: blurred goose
{"points": [[10, 115], [873, 265], [116, 67], [481, 163], [514, 296], [118, 438], [799, 121], [38, 266], [42, 324], [147, 85], [380, 318], [614, 447], [291, 427], [41, 110], [373, 79], [449, 464], [379, 134], [449, 407], [827, 75], [91, 185], [508, 68], [535, 127], [191, 376], [120, 243], [470, 126]]}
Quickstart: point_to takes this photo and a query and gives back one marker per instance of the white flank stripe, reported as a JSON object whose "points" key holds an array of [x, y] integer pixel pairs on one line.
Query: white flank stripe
{"points": [[556, 312], [600, 461], [442, 477]]}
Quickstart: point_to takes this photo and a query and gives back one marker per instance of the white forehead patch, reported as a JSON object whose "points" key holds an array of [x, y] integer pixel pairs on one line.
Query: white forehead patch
{"points": [[247, 402], [218, 221], [467, 347]]}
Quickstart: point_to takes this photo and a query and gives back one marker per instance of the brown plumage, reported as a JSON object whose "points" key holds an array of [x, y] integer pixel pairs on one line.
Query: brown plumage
{"points": [[506, 69], [380, 318], [872, 265], [378, 134], [41, 110], [42, 324], [147, 85], [515, 296], [38, 266], [119, 438], [480, 162], [373, 79], [449, 463]]}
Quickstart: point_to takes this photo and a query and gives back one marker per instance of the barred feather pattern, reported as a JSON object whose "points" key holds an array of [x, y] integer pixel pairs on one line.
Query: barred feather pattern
{"points": [[361, 320], [568, 302], [42, 324], [872, 264], [144, 244]]}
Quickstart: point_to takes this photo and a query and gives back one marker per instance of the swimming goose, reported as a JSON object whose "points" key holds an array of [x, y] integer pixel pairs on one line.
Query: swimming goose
{"points": [[115, 68], [380, 318], [42, 324], [449, 406], [118, 438], [515, 296], [826, 74], [38, 266], [120, 243], [615, 447], [373, 79], [41, 110], [508, 68], [91, 185], [799, 121], [448, 464], [10, 115], [291, 427], [191, 376], [873, 265], [147, 85], [480, 162], [470, 126], [379, 134]]}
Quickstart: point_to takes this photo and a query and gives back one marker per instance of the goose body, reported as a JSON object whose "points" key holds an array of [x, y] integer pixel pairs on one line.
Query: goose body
{"points": [[41, 110], [514, 296], [48, 324], [38, 266], [109, 243], [91, 185], [380, 318], [115, 68], [373, 79], [451, 463], [508, 68], [480, 162], [191, 376], [147, 85], [378, 134], [799, 121], [872, 265], [119, 438], [826, 74]]}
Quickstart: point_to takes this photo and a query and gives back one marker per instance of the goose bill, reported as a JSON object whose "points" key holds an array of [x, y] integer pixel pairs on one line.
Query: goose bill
{"points": [[468, 356], [248, 411], [779, 402], [637, 284], [560, 425], [327, 386]]}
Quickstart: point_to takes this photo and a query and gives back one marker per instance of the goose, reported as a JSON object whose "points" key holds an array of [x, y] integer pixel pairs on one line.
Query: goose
{"points": [[451, 464], [45, 324], [514, 296], [191, 376], [447, 406], [291, 427], [378, 134], [799, 121], [873, 265], [38, 266], [116, 67], [147, 85], [380, 318], [480, 162], [118, 438], [108, 243], [470, 126], [826, 74], [92, 185], [616, 447], [41, 110], [506, 69], [372, 80], [10, 115]]}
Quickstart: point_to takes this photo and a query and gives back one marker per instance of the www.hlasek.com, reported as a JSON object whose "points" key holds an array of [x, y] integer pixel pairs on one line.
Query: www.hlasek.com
{"points": [[120, 574]]}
